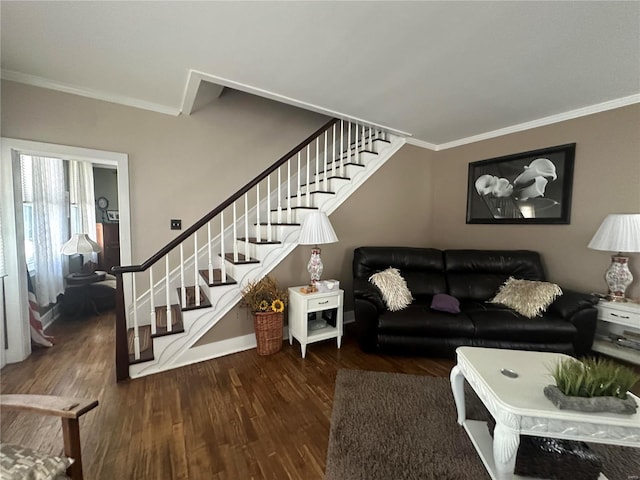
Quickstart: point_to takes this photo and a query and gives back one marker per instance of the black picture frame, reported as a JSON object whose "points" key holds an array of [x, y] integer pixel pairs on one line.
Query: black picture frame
{"points": [[532, 187]]}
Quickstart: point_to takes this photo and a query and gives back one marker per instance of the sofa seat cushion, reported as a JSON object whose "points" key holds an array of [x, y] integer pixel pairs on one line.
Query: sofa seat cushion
{"points": [[506, 324], [420, 320]]}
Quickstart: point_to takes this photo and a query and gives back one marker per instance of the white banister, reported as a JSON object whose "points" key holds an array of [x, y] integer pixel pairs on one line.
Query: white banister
{"points": [[289, 191], [235, 234], [136, 329], [317, 172], [342, 146], [210, 256], [279, 197], [348, 150], [258, 229], [167, 288], [325, 165], [246, 226], [334, 146], [269, 234], [299, 188], [196, 281], [152, 306], [183, 289], [223, 260], [308, 167]]}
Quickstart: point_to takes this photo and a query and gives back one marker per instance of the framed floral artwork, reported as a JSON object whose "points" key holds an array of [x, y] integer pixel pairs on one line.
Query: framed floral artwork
{"points": [[527, 188]]}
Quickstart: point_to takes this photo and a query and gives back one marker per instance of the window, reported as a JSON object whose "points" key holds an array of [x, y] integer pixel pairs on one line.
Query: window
{"points": [[26, 166]]}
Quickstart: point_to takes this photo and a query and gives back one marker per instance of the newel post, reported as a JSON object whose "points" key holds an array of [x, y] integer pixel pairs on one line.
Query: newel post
{"points": [[122, 347]]}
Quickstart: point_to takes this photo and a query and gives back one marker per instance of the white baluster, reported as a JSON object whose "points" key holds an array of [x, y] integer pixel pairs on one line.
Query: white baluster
{"points": [[152, 306], [342, 146], [299, 189], [348, 152], [235, 234], [308, 167], [223, 261], [136, 330], [258, 228], [289, 191], [317, 175], [183, 288], [196, 283], [363, 144], [269, 208], [246, 226], [279, 197], [167, 288], [334, 146], [210, 266], [325, 160]]}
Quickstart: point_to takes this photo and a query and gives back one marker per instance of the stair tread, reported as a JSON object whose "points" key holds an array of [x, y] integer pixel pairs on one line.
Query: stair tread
{"points": [[161, 321], [241, 259], [146, 344], [329, 177], [191, 298], [279, 224], [301, 207], [311, 193], [261, 242], [217, 278]]}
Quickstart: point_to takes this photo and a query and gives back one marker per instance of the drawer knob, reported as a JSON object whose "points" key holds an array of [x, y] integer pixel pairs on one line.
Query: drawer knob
{"points": [[322, 303]]}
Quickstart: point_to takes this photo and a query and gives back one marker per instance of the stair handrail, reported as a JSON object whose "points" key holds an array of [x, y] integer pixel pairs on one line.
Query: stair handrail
{"points": [[122, 349], [118, 270]]}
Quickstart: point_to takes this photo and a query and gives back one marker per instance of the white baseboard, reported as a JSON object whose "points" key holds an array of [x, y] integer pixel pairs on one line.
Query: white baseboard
{"points": [[229, 346]]}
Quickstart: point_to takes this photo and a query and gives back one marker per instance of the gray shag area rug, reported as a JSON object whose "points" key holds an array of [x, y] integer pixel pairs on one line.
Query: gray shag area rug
{"points": [[390, 426]]}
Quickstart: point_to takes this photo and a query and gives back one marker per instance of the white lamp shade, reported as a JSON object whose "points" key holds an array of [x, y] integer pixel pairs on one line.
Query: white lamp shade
{"points": [[618, 233], [317, 229], [80, 243]]}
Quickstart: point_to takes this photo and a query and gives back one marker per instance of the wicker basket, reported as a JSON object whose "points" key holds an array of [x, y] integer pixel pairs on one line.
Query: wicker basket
{"points": [[268, 327]]}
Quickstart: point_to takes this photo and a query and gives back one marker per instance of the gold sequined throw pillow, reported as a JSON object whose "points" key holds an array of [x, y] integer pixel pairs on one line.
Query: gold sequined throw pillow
{"points": [[527, 297]]}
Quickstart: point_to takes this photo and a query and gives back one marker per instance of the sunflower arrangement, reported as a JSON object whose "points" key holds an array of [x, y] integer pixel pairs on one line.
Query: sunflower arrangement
{"points": [[264, 295]]}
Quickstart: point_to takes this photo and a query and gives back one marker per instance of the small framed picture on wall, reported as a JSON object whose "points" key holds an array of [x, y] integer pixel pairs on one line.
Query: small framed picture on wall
{"points": [[113, 215]]}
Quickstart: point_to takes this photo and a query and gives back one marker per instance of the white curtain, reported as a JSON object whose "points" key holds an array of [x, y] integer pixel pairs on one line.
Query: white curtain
{"points": [[50, 227], [82, 193], [2, 267]]}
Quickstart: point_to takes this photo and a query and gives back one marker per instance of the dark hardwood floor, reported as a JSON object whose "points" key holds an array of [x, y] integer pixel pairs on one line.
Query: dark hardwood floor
{"points": [[236, 417]]}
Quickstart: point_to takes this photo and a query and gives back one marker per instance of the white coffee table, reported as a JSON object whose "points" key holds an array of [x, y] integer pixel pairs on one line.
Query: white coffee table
{"points": [[519, 406]]}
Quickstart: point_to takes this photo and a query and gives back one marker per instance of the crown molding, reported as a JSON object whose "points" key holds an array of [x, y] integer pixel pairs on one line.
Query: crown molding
{"points": [[541, 122], [422, 144], [87, 92], [195, 77]]}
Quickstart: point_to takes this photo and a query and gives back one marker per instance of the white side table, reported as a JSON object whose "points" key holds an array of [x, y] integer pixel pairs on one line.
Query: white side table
{"points": [[303, 304], [618, 328]]}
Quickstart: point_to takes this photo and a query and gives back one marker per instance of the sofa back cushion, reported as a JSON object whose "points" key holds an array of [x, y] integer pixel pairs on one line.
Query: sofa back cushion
{"points": [[478, 274], [422, 268]]}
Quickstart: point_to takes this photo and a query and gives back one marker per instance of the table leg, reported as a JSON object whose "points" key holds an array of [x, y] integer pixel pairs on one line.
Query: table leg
{"points": [[457, 386], [339, 341], [303, 347], [505, 447]]}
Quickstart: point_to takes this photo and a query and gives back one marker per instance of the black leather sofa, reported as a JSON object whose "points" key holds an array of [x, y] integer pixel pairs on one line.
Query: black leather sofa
{"points": [[473, 277]]}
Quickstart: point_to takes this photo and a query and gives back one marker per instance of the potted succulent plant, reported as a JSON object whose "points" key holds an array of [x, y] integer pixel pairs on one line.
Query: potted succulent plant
{"points": [[592, 385], [266, 300]]}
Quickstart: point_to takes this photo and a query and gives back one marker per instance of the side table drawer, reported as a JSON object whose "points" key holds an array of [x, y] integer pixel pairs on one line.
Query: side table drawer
{"points": [[315, 304], [628, 315]]}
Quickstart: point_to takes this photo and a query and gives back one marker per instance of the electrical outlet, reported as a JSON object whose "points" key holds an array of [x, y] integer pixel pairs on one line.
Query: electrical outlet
{"points": [[176, 224]]}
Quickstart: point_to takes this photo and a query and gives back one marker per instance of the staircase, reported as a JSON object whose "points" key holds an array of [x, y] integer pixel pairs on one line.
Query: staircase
{"points": [[167, 303]]}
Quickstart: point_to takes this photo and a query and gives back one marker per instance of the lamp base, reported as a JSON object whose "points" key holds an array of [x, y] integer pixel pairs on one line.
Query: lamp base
{"points": [[618, 278], [315, 267]]}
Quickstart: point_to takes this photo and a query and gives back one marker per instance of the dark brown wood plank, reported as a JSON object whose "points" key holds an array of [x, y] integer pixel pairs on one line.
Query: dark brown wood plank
{"points": [[240, 416], [217, 278]]}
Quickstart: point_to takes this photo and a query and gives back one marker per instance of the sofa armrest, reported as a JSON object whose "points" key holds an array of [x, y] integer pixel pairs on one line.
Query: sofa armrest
{"points": [[365, 290], [579, 309]]}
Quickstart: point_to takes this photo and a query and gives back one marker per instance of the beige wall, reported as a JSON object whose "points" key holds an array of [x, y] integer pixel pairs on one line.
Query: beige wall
{"points": [[606, 180]]}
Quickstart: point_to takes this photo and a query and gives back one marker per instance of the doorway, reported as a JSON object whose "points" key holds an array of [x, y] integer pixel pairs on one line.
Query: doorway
{"points": [[17, 332]]}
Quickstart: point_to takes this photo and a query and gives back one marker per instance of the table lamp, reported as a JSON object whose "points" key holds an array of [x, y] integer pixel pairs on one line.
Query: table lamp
{"points": [[80, 244], [618, 233], [316, 230]]}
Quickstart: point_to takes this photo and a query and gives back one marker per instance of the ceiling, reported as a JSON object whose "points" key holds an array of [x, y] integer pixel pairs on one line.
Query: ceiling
{"points": [[444, 72]]}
